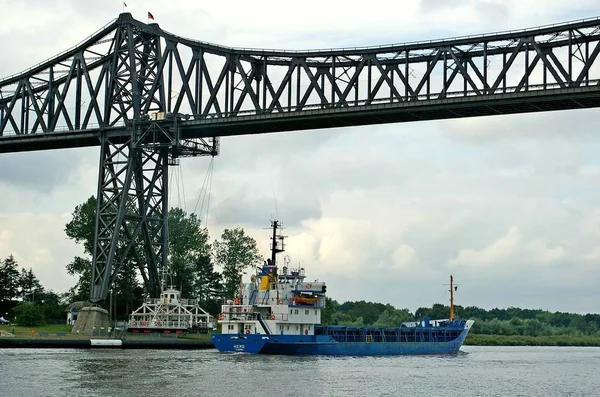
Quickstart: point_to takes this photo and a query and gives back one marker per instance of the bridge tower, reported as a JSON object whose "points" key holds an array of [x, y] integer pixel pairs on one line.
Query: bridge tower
{"points": [[132, 194]]}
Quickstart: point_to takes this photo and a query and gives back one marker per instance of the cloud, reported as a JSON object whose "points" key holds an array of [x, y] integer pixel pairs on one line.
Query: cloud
{"points": [[493, 254], [39, 171], [543, 254], [403, 256], [37, 241], [251, 209]]}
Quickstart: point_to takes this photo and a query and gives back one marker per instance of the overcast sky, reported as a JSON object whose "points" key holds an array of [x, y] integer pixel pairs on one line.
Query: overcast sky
{"points": [[510, 204]]}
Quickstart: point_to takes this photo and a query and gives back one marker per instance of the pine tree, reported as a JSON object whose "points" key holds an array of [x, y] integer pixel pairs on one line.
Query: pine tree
{"points": [[29, 285], [9, 279]]}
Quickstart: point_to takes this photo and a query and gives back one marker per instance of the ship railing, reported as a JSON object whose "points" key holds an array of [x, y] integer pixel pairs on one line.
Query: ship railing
{"points": [[163, 301], [189, 302], [239, 317], [378, 335], [158, 324], [237, 309]]}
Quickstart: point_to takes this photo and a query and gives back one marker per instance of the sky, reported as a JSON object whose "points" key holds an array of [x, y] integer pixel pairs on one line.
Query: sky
{"points": [[510, 205]]}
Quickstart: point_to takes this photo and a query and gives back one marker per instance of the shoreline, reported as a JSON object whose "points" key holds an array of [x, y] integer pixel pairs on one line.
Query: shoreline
{"points": [[522, 340], [91, 343]]}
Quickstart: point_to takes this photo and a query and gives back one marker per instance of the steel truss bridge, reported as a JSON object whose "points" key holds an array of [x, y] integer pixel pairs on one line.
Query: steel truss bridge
{"points": [[148, 97]]}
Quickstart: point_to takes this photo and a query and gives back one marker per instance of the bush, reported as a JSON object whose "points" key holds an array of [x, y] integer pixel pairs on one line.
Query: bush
{"points": [[28, 314]]}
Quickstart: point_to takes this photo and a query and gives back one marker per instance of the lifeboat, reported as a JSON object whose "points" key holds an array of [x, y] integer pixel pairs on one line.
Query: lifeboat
{"points": [[306, 300]]}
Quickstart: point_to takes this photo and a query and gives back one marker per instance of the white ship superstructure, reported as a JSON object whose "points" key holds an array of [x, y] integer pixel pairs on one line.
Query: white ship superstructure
{"points": [[275, 302]]}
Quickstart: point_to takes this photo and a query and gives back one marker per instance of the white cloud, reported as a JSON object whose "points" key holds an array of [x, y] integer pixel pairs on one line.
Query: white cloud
{"points": [[543, 254], [403, 256], [37, 241], [493, 255]]}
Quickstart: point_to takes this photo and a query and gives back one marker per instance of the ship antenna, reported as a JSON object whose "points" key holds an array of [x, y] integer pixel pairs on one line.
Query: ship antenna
{"points": [[274, 197]]}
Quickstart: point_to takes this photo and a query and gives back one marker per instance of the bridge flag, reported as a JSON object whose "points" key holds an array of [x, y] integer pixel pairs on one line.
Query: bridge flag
{"points": [[150, 16]]}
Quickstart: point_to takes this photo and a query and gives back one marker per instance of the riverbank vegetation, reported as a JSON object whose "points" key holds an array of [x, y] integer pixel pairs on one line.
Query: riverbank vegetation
{"points": [[520, 340]]}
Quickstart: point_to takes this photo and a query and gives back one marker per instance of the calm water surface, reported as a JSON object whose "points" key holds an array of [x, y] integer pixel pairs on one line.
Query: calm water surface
{"points": [[477, 371]]}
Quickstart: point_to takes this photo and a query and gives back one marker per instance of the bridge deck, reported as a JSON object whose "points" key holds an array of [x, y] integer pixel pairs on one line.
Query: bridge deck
{"points": [[454, 107]]}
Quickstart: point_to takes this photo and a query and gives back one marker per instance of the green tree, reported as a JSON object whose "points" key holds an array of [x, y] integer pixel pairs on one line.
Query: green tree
{"points": [[392, 317], [368, 311], [207, 284], [331, 306], [9, 279], [188, 242], [82, 268], [29, 285], [52, 305], [235, 252], [127, 292], [28, 314], [82, 226]]}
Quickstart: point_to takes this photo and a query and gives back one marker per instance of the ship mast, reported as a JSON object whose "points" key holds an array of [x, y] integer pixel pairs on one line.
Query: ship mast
{"points": [[451, 298], [277, 245]]}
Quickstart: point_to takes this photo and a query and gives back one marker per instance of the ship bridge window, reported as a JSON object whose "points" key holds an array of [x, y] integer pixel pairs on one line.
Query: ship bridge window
{"points": [[306, 312]]}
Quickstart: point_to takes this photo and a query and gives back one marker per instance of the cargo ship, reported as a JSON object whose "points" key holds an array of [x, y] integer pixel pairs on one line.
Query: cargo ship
{"points": [[279, 312]]}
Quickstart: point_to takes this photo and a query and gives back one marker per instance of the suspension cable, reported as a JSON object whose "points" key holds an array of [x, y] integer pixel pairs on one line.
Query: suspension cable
{"points": [[202, 194], [212, 172], [182, 188]]}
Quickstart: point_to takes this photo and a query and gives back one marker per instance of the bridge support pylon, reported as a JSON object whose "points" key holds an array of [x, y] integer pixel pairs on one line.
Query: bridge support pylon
{"points": [[131, 219]]}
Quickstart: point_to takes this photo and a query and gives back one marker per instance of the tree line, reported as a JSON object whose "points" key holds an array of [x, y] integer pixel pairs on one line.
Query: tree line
{"points": [[23, 296], [510, 321]]}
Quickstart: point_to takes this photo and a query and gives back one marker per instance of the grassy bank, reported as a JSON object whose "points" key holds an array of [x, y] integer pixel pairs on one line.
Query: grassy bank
{"points": [[519, 340], [64, 331], [26, 331]]}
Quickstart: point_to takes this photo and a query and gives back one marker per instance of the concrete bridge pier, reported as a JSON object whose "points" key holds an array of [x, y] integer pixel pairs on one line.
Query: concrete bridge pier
{"points": [[92, 320]]}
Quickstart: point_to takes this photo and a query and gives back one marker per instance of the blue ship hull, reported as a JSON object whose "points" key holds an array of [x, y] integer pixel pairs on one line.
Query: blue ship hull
{"points": [[326, 345]]}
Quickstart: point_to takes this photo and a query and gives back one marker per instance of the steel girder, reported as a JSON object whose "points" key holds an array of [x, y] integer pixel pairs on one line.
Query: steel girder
{"points": [[71, 99]]}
